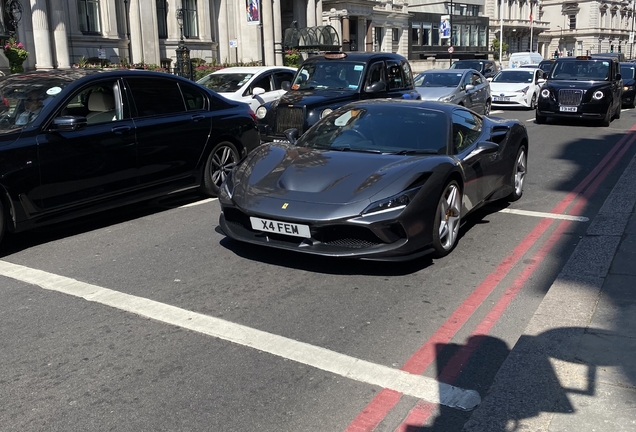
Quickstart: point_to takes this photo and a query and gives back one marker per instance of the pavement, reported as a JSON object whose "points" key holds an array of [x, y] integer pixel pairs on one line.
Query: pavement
{"points": [[574, 367]]}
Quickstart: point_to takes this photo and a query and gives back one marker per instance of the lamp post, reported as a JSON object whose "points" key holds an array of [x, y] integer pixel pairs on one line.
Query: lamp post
{"points": [[631, 35], [560, 38], [15, 15], [183, 53], [128, 30], [501, 9]]}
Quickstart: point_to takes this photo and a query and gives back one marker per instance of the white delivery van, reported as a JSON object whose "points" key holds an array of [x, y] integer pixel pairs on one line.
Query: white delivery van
{"points": [[522, 58]]}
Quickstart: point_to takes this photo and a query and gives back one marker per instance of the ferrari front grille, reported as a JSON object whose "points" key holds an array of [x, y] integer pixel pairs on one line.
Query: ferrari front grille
{"points": [[570, 97], [290, 117], [351, 243]]}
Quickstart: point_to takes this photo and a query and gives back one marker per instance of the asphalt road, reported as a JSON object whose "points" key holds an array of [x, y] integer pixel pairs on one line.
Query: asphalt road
{"points": [[147, 318]]}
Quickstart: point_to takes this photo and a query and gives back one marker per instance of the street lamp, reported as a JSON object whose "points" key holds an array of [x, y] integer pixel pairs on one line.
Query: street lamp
{"points": [[183, 53], [560, 38], [15, 15]]}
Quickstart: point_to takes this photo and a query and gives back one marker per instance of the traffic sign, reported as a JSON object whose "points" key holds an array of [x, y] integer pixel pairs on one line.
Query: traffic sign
{"points": [[451, 49]]}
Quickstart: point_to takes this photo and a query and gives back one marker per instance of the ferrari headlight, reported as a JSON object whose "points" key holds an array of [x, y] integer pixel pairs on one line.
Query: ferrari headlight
{"points": [[261, 112], [598, 95], [447, 98], [523, 90], [545, 93], [325, 112], [398, 201]]}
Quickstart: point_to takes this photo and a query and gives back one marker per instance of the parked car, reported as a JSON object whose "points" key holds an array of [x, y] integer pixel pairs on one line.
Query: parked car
{"points": [[518, 87], [487, 68], [520, 58], [79, 141], [465, 87], [254, 85], [582, 87], [381, 179], [628, 73], [326, 82]]}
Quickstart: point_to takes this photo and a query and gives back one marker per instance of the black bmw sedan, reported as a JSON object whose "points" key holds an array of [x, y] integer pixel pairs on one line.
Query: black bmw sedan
{"points": [[75, 142]]}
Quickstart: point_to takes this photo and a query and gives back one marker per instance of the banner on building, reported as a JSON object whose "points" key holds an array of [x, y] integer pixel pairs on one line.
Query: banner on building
{"points": [[253, 13], [444, 27]]}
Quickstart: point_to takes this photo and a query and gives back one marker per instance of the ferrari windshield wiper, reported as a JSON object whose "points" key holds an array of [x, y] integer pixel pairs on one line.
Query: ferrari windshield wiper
{"points": [[360, 150], [416, 152]]}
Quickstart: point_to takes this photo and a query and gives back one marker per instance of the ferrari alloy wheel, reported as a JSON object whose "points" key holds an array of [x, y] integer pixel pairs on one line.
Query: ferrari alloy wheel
{"points": [[519, 171], [447, 220], [221, 161]]}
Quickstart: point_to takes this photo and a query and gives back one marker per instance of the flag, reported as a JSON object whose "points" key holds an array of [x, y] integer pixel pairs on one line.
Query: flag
{"points": [[530, 17]]}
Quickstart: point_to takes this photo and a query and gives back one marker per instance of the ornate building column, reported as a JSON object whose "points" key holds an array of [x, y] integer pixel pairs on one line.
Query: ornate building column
{"points": [[369, 37], [136, 36], [311, 13], [346, 37], [268, 31], [278, 34], [41, 37], [60, 33]]}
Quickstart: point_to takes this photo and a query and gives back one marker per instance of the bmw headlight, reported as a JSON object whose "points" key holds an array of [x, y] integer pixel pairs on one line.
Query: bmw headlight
{"points": [[447, 98], [545, 93], [523, 90], [398, 201], [598, 95], [325, 112], [261, 112]]}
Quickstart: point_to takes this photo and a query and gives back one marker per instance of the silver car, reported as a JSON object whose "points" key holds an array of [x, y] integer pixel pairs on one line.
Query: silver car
{"points": [[465, 87]]}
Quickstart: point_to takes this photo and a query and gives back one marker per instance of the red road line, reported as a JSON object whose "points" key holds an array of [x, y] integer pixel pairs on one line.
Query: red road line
{"points": [[425, 355], [422, 411]]}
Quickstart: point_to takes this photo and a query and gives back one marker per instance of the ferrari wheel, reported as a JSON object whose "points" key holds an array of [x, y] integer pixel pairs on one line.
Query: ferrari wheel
{"points": [[447, 220], [518, 177], [221, 161]]}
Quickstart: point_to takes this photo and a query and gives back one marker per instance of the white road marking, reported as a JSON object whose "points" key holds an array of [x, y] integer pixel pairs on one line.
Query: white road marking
{"points": [[530, 119], [417, 386], [546, 215], [199, 202], [497, 112]]}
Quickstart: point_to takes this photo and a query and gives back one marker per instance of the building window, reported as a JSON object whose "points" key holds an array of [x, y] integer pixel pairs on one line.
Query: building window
{"points": [[190, 26], [572, 22], [162, 19], [396, 35], [88, 15]]}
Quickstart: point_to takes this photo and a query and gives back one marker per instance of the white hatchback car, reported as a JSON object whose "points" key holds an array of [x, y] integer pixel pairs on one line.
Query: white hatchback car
{"points": [[253, 85], [518, 87]]}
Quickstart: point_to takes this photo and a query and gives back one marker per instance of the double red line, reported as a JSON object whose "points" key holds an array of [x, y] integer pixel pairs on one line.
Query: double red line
{"points": [[386, 399]]}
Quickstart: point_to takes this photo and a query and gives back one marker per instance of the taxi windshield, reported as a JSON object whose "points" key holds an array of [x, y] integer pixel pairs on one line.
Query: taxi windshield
{"points": [[580, 70], [329, 74]]}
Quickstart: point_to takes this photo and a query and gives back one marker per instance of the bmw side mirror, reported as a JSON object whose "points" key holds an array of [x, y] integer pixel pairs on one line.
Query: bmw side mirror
{"points": [[68, 123], [376, 87], [285, 85]]}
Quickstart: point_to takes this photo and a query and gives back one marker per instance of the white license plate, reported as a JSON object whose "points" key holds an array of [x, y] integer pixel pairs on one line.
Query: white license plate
{"points": [[272, 226], [568, 109], [502, 99]]}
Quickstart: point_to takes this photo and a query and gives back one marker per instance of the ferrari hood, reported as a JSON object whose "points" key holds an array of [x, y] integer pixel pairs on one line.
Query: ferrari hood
{"points": [[319, 176]]}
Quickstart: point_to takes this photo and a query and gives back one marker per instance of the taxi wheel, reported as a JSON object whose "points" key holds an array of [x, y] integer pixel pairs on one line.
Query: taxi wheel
{"points": [[221, 161], [607, 120], [540, 119]]}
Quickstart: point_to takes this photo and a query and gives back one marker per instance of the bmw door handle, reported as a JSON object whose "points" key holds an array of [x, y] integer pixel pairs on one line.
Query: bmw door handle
{"points": [[198, 118], [121, 129]]}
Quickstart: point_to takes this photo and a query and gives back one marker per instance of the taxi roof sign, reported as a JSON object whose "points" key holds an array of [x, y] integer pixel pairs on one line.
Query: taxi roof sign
{"points": [[335, 55]]}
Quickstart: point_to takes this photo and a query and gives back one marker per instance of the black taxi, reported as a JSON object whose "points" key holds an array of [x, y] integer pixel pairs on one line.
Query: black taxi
{"points": [[326, 82], [582, 87]]}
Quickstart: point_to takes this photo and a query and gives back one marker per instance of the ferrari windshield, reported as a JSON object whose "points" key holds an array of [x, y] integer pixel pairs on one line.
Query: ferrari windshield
{"points": [[225, 82], [580, 70], [344, 75], [514, 76], [380, 128], [438, 79]]}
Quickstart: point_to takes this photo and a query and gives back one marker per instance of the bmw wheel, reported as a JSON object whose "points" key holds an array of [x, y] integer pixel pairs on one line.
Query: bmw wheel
{"points": [[518, 177], [447, 220], [221, 161]]}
